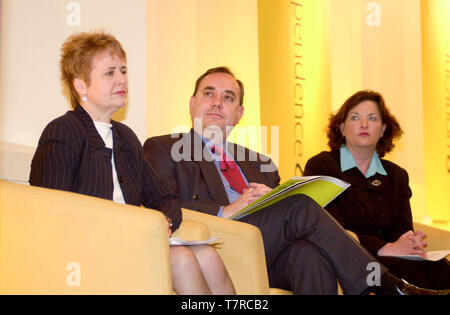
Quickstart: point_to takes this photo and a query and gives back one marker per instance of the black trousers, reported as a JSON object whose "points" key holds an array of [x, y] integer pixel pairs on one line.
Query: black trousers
{"points": [[307, 250]]}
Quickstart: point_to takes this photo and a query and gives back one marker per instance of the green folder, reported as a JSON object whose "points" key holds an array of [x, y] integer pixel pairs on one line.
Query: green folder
{"points": [[322, 189]]}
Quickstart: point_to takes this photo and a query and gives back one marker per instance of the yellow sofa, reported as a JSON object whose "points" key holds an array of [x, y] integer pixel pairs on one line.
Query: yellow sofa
{"points": [[437, 238], [64, 243], [242, 251], [55, 242]]}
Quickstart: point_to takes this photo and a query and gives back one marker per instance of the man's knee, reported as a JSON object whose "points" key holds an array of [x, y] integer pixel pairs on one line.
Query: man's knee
{"points": [[301, 209], [301, 201]]}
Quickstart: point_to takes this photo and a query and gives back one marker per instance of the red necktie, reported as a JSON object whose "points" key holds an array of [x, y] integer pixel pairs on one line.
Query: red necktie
{"points": [[230, 170]]}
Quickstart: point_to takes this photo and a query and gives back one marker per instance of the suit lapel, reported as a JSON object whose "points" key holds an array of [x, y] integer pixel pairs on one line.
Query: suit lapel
{"points": [[208, 168]]}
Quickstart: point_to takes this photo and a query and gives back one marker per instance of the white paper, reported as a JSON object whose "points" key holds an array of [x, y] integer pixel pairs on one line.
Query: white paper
{"points": [[174, 241], [431, 256]]}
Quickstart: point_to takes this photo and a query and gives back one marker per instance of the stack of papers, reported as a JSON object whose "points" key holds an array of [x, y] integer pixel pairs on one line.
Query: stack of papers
{"points": [[173, 241], [431, 256], [322, 189]]}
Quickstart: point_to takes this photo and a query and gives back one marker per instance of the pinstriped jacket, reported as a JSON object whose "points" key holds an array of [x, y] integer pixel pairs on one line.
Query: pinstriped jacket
{"points": [[72, 156]]}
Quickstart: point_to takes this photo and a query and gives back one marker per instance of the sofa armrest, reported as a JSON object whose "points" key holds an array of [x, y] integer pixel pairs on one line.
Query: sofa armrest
{"points": [[353, 234], [192, 231], [437, 239], [56, 242], [242, 251]]}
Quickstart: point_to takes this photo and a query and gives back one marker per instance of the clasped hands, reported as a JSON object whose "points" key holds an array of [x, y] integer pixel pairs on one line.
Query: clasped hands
{"points": [[249, 195], [410, 243]]}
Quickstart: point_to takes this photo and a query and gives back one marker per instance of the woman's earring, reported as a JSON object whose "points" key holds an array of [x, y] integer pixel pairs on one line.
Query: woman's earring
{"points": [[84, 99]]}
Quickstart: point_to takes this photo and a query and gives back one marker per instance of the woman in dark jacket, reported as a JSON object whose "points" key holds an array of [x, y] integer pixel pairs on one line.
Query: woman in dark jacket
{"points": [[376, 206], [86, 152]]}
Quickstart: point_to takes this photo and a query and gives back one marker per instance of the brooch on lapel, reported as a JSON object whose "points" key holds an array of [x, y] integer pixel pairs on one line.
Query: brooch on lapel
{"points": [[375, 183]]}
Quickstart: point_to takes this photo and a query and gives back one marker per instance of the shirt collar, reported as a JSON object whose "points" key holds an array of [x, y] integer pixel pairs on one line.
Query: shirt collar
{"points": [[348, 162], [210, 144]]}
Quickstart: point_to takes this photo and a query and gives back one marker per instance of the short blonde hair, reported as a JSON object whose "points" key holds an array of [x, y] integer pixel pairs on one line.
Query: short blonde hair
{"points": [[78, 53]]}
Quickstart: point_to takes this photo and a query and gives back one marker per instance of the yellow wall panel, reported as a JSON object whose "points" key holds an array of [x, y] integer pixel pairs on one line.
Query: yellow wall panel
{"points": [[391, 63], [184, 39], [346, 51], [295, 77], [31, 35], [377, 45], [436, 105]]}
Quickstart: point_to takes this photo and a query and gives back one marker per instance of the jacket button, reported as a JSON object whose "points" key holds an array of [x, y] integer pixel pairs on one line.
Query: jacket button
{"points": [[195, 196]]}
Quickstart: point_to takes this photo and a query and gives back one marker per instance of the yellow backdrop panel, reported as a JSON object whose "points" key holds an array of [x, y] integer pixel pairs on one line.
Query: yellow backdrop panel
{"points": [[436, 105], [377, 45], [391, 63], [184, 39], [295, 77]]}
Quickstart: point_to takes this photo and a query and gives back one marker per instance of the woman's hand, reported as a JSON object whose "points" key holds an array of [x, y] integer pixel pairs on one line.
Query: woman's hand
{"points": [[409, 243], [169, 225]]}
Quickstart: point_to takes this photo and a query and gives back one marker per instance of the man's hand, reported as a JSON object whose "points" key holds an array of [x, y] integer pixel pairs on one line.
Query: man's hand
{"points": [[259, 189], [254, 191]]}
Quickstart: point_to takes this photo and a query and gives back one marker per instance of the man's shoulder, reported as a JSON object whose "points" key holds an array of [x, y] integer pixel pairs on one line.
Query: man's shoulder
{"points": [[171, 137], [159, 147], [164, 140]]}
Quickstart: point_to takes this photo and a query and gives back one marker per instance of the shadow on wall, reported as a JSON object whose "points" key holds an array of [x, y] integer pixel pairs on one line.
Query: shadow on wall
{"points": [[15, 162]]}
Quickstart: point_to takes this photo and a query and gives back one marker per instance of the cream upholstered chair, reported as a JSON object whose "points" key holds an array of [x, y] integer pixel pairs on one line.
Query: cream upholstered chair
{"points": [[437, 238], [192, 231], [241, 249], [55, 242], [58, 242]]}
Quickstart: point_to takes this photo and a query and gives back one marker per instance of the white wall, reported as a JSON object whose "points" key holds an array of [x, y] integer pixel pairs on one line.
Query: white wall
{"points": [[169, 43], [31, 34]]}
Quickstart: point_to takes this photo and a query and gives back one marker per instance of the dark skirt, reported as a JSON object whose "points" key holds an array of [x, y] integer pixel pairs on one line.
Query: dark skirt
{"points": [[426, 274]]}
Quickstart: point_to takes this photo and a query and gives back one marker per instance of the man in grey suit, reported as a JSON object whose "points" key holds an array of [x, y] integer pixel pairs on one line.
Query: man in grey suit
{"points": [[306, 249]]}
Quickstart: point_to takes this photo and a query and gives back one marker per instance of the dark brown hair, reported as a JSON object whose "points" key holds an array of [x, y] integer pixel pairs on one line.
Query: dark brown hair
{"points": [[78, 53], [221, 70], [392, 132]]}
